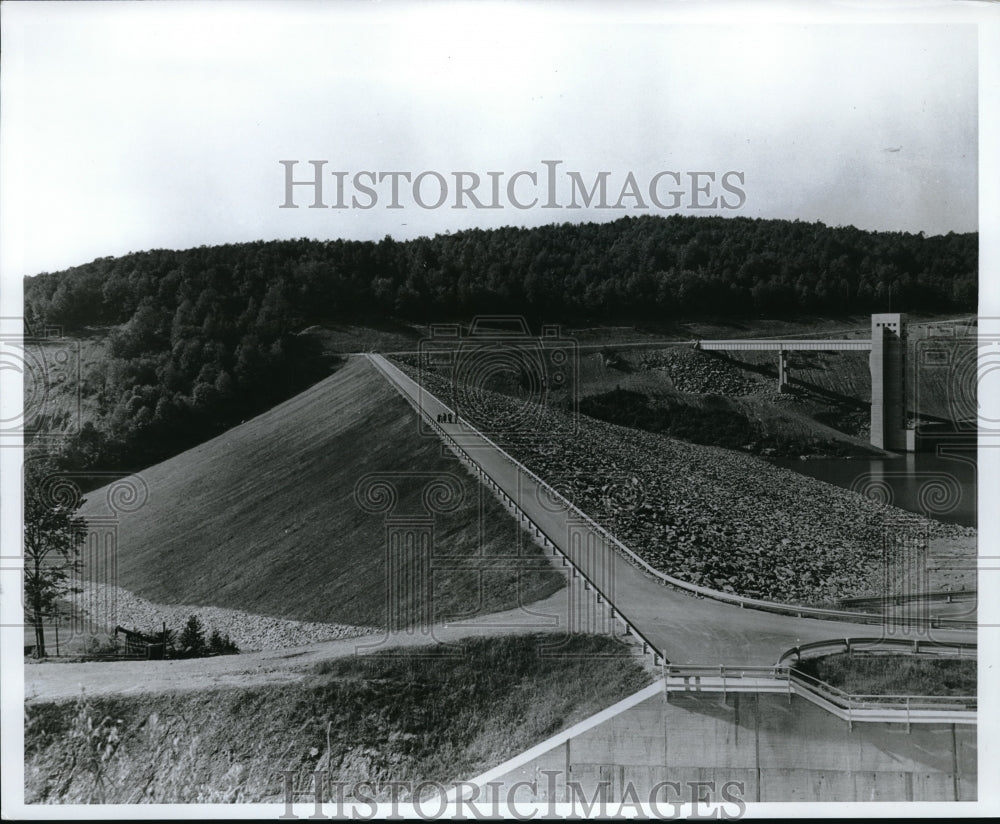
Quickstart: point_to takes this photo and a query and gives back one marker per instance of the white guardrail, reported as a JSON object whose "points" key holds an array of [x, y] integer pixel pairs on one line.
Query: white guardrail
{"points": [[781, 678], [648, 647], [912, 646], [667, 580], [853, 708]]}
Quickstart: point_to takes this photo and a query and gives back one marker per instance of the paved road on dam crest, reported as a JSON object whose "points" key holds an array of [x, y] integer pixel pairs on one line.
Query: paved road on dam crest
{"points": [[684, 628]]}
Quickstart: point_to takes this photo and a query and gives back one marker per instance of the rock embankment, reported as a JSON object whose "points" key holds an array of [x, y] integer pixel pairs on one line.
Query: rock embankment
{"points": [[112, 605], [711, 516], [703, 373]]}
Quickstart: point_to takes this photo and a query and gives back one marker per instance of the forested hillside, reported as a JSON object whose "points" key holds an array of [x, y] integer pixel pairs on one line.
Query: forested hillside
{"points": [[632, 268], [204, 337]]}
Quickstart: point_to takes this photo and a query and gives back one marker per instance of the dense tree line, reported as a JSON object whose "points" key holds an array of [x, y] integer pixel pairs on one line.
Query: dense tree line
{"points": [[205, 336], [634, 268]]}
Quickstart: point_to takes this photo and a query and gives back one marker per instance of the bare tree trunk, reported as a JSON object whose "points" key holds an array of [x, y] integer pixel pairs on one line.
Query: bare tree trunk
{"points": [[39, 633], [36, 611]]}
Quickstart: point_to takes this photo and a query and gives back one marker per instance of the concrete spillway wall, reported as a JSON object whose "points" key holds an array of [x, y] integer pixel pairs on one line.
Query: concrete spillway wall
{"points": [[779, 748]]}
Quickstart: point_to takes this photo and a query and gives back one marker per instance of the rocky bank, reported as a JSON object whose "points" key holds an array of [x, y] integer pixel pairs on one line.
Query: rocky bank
{"points": [[112, 605], [712, 516]]}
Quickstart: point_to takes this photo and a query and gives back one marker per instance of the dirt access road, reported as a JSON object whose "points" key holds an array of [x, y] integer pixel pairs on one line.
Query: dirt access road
{"points": [[52, 680]]}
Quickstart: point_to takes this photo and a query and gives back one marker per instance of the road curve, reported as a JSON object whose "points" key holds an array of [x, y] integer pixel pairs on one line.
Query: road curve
{"points": [[684, 628]]}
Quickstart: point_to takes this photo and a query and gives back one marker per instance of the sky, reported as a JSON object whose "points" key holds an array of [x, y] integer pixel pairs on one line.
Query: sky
{"points": [[131, 126]]}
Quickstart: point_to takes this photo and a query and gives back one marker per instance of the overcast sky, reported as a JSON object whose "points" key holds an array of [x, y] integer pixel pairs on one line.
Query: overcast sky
{"points": [[135, 126]]}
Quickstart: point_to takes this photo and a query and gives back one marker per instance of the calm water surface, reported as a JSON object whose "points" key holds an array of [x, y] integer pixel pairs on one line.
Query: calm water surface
{"points": [[942, 487]]}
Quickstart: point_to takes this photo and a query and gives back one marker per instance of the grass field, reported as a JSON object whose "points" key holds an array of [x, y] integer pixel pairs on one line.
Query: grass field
{"points": [[893, 674], [264, 517], [400, 715], [347, 338]]}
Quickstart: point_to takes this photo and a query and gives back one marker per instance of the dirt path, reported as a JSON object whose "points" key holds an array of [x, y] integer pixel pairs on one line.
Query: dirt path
{"points": [[49, 681]]}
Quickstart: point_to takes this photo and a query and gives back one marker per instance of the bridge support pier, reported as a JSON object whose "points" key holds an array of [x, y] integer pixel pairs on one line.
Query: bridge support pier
{"points": [[782, 370]]}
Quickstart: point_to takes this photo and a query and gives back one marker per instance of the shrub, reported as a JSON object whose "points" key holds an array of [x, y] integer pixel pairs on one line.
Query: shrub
{"points": [[96, 645], [219, 644]]}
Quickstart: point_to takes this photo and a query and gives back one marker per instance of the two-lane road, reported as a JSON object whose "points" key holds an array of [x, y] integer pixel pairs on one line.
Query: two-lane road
{"points": [[685, 628]]}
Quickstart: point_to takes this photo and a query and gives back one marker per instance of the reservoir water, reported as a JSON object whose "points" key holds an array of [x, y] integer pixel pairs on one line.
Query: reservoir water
{"points": [[939, 486]]}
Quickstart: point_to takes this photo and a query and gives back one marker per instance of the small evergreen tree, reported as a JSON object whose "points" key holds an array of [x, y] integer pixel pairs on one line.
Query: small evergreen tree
{"points": [[219, 644], [192, 640]]}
